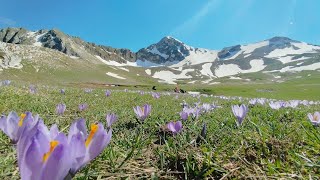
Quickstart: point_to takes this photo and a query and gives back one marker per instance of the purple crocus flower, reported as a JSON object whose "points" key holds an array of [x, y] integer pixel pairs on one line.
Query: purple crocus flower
{"points": [[184, 115], [315, 118], [111, 118], [156, 95], [108, 93], [83, 107], [261, 101], [207, 107], [196, 113], [304, 102], [293, 103], [6, 82], [62, 91], [49, 154], [60, 109], [240, 112], [175, 127], [275, 105], [46, 156], [86, 146], [32, 89], [14, 126], [142, 112], [253, 101], [188, 110]]}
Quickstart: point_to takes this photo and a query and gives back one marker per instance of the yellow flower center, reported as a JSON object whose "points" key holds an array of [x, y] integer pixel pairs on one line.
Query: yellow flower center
{"points": [[315, 118], [53, 145], [94, 129], [22, 116]]}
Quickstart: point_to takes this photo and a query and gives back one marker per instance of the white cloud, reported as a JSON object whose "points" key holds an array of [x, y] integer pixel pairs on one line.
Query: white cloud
{"points": [[7, 21], [191, 23]]}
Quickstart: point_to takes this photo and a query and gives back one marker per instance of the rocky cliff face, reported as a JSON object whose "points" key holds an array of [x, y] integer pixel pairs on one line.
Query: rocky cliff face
{"points": [[14, 35], [72, 46], [167, 50]]}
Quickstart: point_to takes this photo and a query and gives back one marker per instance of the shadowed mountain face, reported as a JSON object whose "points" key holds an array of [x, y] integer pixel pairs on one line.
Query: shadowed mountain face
{"points": [[170, 60], [167, 50]]}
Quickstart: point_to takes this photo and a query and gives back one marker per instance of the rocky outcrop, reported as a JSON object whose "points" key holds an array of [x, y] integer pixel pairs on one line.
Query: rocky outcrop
{"points": [[72, 46], [166, 50], [229, 51], [14, 35]]}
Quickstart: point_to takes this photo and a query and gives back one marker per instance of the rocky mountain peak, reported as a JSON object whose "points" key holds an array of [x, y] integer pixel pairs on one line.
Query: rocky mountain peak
{"points": [[167, 50], [281, 42], [170, 40]]}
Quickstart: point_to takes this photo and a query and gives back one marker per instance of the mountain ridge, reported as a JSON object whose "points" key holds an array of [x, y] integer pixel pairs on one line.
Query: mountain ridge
{"points": [[168, 60]]}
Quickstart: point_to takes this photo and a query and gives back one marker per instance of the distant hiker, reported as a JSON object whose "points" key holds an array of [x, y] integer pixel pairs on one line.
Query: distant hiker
{"points": [[178, 90]]}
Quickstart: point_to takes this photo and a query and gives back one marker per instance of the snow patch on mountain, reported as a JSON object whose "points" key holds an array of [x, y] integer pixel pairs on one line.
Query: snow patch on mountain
{"points": [[233, 69], [235, 78], [313, 66], [198, 56], [114, 75], [206, 70], [169, 77], [125, 69], [248, 49], [297, 48], [148, 71], [37, 39]]}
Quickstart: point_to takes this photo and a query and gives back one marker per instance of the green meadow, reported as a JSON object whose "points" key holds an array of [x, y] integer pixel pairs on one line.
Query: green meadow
{"points": [[270, 144]]}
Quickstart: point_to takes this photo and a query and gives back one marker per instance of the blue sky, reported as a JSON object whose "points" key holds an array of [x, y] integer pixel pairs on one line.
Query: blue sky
{"points": [[134, 24]]}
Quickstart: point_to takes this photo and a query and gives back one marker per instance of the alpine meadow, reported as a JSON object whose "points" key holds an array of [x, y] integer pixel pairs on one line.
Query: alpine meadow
{"points": [[74, 105]]}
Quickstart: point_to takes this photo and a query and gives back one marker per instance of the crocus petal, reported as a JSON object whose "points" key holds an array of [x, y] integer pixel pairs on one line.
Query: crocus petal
{"points": [[171, 127], [310, 116], [3, 123], [25, 141], [234, 110], [54, 131], [178, 126], [12, 126], [317, 116], [76, 127], [33, 161], [58, 164], [135, 109], [111, 118], [183, 115], [147, 109], [77, 151], [99, 141]]}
